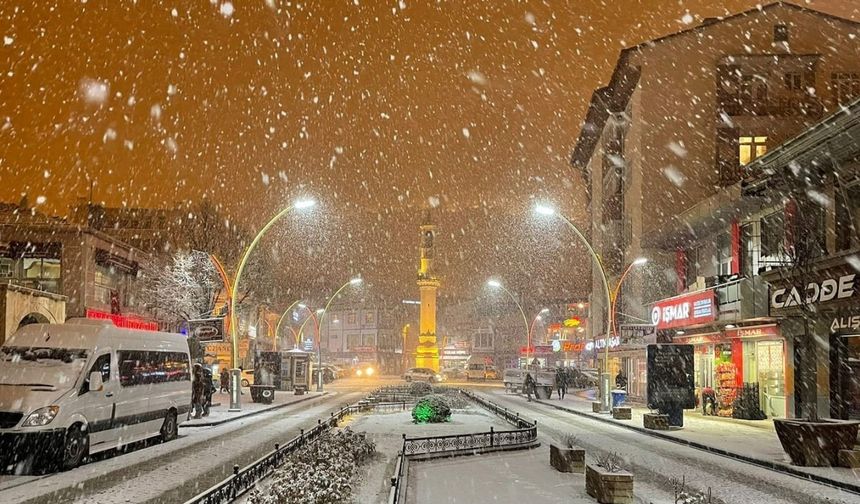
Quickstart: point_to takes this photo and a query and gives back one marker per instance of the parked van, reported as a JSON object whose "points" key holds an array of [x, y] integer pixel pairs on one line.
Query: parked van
{"points": [[71, 390]]}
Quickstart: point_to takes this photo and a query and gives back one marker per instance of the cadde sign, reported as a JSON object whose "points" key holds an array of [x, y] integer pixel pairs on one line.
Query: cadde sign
{"points": [[823, 291]]}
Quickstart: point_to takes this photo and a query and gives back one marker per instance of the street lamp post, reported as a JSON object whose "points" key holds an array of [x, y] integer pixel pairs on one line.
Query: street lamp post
{"points": [[498, 285], [283, 316], [604, 381], [637, 262], [354, 281], [236, 378], [532, 330]]}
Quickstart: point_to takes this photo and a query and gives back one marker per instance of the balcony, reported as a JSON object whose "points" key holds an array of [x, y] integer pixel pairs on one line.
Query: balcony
{"points": [[742, 299]]}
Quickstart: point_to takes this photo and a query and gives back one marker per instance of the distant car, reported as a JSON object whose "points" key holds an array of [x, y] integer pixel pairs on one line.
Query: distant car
{"points": [[452, 373], [364, 370], [247, 377], [328, 374], [422, 374], [477, 371]]}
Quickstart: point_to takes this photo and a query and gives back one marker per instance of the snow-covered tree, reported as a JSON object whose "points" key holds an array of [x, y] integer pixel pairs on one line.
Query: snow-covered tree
{"points": [[180, 287]]}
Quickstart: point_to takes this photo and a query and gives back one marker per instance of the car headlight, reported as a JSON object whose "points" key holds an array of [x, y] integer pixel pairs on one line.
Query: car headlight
{"points": [[358, 372], [42, 416], [369, 371], [439, 377]]}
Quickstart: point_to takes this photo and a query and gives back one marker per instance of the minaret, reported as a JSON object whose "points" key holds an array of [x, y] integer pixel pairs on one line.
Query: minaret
{"points": [[427, 353]]}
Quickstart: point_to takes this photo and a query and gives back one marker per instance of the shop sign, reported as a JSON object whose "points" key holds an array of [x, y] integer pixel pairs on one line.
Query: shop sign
{"points": [[851, 323], [536, 349], [686, 310], [454, 351], [572, 322], [767, 331], [614, 341], [567, 346], [815, 292], [698, 339], [211, 329], [122, 320], [363, 349]]}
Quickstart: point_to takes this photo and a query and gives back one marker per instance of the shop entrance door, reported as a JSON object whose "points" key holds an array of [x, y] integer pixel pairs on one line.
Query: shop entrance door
{"points": [[770, 368], [850, 375]]}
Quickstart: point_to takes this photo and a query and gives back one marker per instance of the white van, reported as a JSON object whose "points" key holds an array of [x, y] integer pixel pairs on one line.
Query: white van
{"points": [[74, 389]]}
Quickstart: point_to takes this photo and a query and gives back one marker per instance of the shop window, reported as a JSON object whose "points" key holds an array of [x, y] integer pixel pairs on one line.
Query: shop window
{"points": [[368, 340], [793, 81], [723, 257], [846, 86], [749, 249], [350, 318], [750, 148], [368, 318], [780, 33], [848, 217]]}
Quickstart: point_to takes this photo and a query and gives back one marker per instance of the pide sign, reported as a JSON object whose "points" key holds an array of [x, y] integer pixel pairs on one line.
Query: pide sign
{"points": [[687, 310]]}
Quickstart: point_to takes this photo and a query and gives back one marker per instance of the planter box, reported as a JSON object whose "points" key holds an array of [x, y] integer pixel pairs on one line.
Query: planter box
{"points": [[656, 421], [568, 460], [597, 407], [816, 443], [622, 413], [607, 487], [849, 459]]}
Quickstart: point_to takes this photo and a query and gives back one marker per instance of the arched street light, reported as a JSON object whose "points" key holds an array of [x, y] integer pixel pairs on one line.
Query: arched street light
{"points": [[354, 281], [636, 262], [283, 316], [498, 285], [550, 211], [302, 204]]}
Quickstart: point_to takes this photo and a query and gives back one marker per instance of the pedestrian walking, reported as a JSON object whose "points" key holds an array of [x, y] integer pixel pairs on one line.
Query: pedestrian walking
{"points": [[561, 382], [209, 390], [225, 381], [528, 385], [198, 390]]}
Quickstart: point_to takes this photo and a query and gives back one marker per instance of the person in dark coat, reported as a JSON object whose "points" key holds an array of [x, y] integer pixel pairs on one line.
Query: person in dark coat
{"points": [[198, 390], [561, 382], [225, 381], [621, 381], [528, 385], [209, 389]]}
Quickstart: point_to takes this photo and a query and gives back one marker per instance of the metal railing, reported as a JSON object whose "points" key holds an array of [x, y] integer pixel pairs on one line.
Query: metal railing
{"points": [[243, 480], [524, 434]]}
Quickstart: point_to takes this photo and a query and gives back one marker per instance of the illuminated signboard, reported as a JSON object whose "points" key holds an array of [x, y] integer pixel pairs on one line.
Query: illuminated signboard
{"points": [[687, 310]]}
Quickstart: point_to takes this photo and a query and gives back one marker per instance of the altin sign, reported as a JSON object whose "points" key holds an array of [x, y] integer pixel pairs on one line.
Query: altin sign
{"points": [[815, 292]]}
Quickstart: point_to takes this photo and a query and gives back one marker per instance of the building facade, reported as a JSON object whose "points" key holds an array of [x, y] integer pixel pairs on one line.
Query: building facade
{"points": [[664, 148]]}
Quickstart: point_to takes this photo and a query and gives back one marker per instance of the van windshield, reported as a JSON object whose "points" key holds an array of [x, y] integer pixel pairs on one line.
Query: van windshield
{"points": [[41, 366]]}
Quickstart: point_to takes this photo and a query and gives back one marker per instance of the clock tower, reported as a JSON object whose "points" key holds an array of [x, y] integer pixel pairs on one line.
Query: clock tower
{"points": [[427, 353]]}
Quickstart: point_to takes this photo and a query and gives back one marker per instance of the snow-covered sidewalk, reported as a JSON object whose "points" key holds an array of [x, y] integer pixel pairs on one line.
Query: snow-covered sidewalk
{"points": [[751, 440], [219, 413]]}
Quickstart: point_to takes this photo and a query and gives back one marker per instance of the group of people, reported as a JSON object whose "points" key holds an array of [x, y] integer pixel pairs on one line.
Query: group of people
{"points": [[202, 389]]}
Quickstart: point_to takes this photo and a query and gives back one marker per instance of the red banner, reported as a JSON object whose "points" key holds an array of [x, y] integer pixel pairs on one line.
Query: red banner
{"points": [[122, 321], [687, 310]]}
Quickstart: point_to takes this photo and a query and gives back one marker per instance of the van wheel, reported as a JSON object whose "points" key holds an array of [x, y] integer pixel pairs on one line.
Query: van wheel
{"points": [[245, 383], [76, 447], [170, 428]]}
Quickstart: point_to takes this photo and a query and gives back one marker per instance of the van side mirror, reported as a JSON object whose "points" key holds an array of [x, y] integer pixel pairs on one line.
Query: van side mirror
{"points": [[95, 383]]}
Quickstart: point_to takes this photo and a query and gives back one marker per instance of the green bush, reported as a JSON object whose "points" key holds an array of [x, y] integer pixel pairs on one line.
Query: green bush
{"points": [[431, 409]]}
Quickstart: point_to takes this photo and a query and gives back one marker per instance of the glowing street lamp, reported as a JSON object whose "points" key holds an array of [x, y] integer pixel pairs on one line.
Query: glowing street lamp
{"points": [[532, 330], [283, 316], [550, 211], [498, 285], [639, 261], [301, 204], [352, 282]]}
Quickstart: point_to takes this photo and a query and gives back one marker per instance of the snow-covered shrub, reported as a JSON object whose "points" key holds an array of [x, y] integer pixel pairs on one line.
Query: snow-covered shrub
{"points": [[455, 399], [322, 472], [420, 389], [431, 409], [684, 495], [567, 441]]}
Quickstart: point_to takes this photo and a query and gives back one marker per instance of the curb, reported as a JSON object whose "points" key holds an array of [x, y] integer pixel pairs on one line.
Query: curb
{"points": [[773, 466], [254, 413]]}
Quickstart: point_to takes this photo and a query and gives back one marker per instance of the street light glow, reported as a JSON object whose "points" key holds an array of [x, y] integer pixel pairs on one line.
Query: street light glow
{"points": [[319, 310], [304, 203], [494, 283], [356, 281], [544, 209], [640, 261], [302, 306], [545, 310]]}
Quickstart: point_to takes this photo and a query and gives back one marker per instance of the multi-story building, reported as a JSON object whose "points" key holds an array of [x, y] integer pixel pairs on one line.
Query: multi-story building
{"points": [[810, 188], [663, 148], [353, 332], [94, 274]]}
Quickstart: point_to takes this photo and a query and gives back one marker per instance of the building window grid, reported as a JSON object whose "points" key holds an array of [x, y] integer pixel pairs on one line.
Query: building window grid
{"points": [[750, 148], [846, 86]]}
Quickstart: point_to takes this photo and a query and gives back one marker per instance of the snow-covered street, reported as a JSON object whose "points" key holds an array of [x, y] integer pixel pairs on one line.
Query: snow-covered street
{"points": [[177, 470]]}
